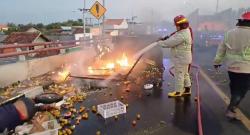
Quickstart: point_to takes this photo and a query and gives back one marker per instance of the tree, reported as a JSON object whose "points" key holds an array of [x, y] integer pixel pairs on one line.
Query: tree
{"points": [[56, 25], [23, 27], [79, 20], [12, 28], [11, 25], [39, 26], [44, 28]]}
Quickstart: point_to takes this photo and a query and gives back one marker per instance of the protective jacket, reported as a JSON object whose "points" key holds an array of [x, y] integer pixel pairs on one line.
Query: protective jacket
{"points": [[235, 50], [9, 117], [181, 46]]}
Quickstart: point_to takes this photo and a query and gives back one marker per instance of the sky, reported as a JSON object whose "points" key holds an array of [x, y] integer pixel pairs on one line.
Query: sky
{"points": [[47, 11]]}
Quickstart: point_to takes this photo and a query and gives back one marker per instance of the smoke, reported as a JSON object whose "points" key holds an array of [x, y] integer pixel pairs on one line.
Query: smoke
{"points": [[167, 9], [48, 11], [150, 15], [79, 61]]}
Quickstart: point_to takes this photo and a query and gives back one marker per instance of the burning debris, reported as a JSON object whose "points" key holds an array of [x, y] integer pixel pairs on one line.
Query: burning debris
{"points": [[72, 112], [102, 50], [109, 67], [124, 62], [61, 75]]}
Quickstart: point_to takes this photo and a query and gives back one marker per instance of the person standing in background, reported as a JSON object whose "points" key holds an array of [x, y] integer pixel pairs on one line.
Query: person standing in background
{"points": [[235, 51]]}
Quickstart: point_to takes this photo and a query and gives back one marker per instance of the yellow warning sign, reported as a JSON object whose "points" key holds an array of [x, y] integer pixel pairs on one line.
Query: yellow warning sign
{"points": [[97, 10]]}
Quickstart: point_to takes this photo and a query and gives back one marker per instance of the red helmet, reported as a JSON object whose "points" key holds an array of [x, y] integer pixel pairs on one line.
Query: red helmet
{"points": [[245, 16], [180, 19]]}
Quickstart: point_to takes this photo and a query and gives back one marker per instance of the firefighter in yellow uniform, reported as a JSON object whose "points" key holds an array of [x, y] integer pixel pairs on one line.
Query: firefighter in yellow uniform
{"points": [[180, 44], [235, 51]]}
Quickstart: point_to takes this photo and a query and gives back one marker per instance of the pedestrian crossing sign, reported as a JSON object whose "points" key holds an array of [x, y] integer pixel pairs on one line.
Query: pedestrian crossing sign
{"points": [[97, 10]]}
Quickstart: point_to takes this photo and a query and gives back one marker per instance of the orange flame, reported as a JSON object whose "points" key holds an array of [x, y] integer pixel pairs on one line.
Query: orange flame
{"points": [[62, 75], [110, 66], [107, 68], [90, 70], [123, 62]]}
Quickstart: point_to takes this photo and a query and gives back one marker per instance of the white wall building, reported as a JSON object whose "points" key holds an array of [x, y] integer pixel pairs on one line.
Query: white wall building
{"points": [[79, 35], [115, 27], [3, 27]]}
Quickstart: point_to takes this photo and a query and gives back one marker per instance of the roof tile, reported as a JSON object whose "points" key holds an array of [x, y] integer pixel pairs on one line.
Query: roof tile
{"points": [[21, 37], [113, 21]]}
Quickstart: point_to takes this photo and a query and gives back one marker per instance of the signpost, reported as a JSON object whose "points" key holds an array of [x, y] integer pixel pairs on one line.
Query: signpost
{"points": [[97, 10]]}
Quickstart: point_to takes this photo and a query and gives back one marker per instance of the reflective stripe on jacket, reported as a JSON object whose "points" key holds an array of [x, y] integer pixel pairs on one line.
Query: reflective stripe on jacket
{"points": [[180, 44], [235, 50]]}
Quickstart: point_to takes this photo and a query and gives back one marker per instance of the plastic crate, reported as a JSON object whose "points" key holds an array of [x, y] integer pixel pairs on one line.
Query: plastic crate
{"points": [[111, 109]]}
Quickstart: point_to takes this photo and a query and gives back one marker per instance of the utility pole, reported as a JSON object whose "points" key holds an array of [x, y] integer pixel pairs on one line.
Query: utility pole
{"points": [[103, 18], [84, 11], [133, 23], [84, 23], [217, 6]]}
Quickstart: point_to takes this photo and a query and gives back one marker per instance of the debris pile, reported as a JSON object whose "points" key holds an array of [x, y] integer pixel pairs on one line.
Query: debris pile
{"points": [[72, 112]]}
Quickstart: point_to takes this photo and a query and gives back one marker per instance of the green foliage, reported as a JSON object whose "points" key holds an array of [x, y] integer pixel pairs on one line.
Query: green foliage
{"points": [[40, 26], [87, 30], [53, 26], [12, 28], [23, 27], [72, 23], [11, 25], [66, 23]]}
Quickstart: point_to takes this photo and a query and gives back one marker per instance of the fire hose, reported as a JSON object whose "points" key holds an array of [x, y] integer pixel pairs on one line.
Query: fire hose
{"points": [[198, 102], [126, 76]]}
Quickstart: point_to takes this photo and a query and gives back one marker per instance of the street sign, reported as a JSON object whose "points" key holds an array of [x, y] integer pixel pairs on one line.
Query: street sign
{"points": [[97, 10]]}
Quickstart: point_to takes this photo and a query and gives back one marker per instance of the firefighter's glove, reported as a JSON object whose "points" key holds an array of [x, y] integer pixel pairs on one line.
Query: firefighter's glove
{"points": [[163, 38], [217, 66]]}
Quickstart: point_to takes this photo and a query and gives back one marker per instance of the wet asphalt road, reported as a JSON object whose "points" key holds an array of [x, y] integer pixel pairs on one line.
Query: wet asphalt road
{"points": [[220, 78], [213, 106], [161, 115]]}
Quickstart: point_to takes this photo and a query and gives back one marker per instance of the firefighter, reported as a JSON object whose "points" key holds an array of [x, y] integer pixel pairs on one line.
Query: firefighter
{"points": [[180, 43], [235, 51]]}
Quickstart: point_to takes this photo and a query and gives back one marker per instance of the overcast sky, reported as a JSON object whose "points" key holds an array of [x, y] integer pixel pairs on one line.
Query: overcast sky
{"points": [[46, 11]]}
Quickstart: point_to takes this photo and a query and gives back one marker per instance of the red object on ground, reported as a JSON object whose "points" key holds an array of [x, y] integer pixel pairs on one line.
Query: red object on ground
{"points": [[198, 103]]}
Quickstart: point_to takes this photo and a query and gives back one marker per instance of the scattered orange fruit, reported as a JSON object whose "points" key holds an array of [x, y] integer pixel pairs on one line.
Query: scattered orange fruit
{"points": [[116, 117], [138, 116], [85, 116], [134, 123], [98, 133], [94, 110]]}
